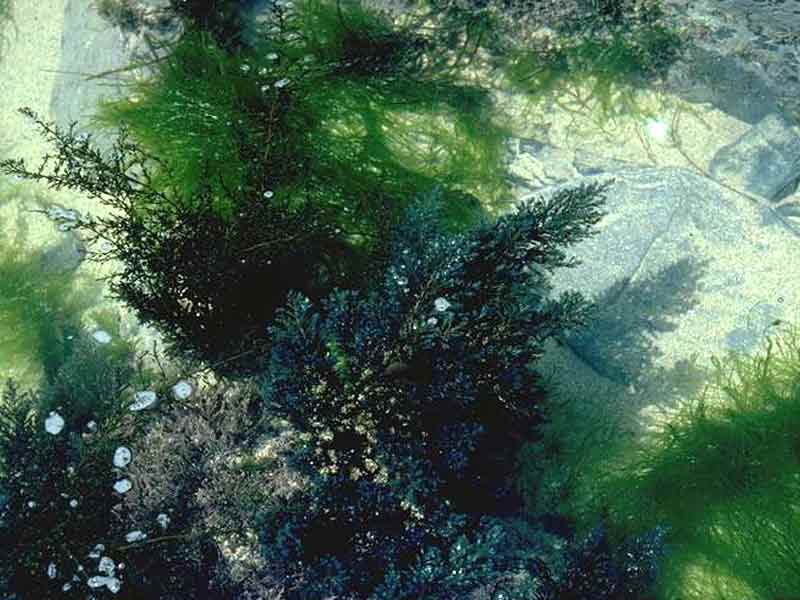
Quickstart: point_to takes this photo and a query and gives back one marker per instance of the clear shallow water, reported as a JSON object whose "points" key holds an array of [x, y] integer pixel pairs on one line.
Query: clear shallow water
{"points": [[564, 133]]}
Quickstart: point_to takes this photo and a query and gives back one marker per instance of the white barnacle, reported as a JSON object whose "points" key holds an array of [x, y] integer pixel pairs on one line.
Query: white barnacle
{"points": [[123, 486], [182, 390], [54, 423], [144, 400], [122, 457]]}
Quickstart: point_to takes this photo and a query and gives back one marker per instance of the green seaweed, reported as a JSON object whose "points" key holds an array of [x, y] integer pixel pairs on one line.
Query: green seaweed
{"points": [[40, 312], [612, 65], [40, 309], [336, 110], [724, 474]]}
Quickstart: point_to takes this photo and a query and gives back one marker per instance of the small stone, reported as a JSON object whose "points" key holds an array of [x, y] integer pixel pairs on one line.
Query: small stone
{"points": [[66, 587], [281, 83], [65, 256], [123, 486], [91, 426], [73, 503], [54, 423], [122, 457], [55, 213], [52, 572]]}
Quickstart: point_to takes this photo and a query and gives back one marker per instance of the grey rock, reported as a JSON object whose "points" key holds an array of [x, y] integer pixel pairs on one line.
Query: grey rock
{"points": [[89, 46], [743, 57], [765, 160], [728, 83], [672, 271], [92, 46], [64, 256]]}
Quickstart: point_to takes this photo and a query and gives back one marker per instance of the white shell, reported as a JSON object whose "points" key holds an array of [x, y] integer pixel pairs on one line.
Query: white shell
{"points": [[54, 423], [135, 536], [144, 400], [122, 457], [182, 390], [101, 337], [441, 304], [106, 566], [123, 486], [98, 581]]}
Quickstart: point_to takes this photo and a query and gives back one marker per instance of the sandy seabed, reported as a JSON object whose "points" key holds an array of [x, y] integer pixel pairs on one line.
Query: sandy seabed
{"points": [[28, 71]]}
